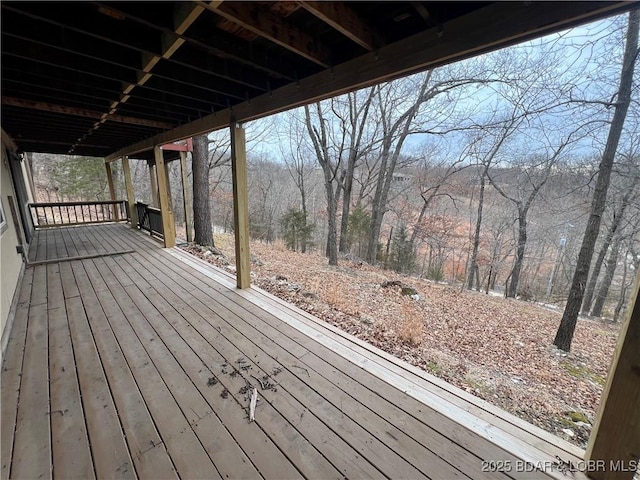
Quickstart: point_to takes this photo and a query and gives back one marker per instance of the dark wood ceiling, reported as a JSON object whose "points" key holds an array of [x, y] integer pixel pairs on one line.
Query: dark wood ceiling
{"points": [[92, 78]]}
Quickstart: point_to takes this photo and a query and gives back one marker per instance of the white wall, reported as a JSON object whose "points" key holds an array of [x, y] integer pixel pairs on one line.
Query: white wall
{"points": [[10, 260]]}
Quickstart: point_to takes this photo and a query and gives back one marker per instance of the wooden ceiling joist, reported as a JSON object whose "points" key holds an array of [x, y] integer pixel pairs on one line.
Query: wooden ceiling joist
{"points": [[80, 112], [183, 18], [265, 24], [345, 20]]}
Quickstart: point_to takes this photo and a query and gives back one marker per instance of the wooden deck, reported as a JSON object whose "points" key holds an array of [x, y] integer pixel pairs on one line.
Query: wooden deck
{"points": [[138, 365]]}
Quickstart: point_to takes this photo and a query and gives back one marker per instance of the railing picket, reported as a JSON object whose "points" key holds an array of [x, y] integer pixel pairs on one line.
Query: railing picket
{"points": [[53, 214]]}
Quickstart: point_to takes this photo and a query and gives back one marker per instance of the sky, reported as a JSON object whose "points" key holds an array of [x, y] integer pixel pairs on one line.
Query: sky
{"points": [[582, 52]]}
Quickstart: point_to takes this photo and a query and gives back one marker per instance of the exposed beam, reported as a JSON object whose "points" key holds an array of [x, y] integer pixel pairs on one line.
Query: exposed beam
{"points": [[51, 142], [343, 19], [81, 112], [227, 47], [495, 26], [267, 25], [615, 439], [183, 18], [240, 205]]}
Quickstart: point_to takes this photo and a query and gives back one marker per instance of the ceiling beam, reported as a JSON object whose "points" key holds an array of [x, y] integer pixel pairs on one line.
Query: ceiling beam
{"points": [[186, 14], [267, 25], [81, 112], [345, 20], [52, 142], [489, 28]]}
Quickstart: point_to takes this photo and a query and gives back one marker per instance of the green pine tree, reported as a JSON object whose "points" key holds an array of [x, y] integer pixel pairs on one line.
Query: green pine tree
{"points": [[295, 229]]}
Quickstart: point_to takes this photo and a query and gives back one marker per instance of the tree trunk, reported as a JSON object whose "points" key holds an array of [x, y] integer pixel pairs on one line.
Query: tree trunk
{"points": [[473, 266], [201, 207], [320, 142], [617, 219], [623, 292], [377, 211], [567, 326], [346, 207], [517, 266], [303, 247], [332, 239], [610, 270]]}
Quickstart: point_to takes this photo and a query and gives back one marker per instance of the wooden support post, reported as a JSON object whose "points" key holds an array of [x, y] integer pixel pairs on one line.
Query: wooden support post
{"points": [[168, 226], [133, 212], [240, 205], [186, 197], [155, 202], [615, 439], [112, 189]]}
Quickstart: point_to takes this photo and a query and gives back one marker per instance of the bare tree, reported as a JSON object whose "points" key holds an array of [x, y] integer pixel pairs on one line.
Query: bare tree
{"points": [[530, 180], [320, 138], [564, 335]]}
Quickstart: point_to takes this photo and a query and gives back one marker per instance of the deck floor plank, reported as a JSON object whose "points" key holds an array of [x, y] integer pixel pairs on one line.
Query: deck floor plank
{"points": [[109, 367], [32, 444], [68, 428], [149, 454], [376, 426], [424, 420], [293, 444], [12, 373], [188, 454], [189, 377]]}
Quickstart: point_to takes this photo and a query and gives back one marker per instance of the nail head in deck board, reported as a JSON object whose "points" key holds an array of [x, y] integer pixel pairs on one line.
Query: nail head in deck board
{"points": [[32, 444], [147, 450]]}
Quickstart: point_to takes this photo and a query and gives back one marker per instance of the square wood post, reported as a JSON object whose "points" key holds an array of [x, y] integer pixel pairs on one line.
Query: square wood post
{"points": [[240, 205], [614, 444], [186, 197], [155, 202], [112, 190], [168, 226], [133, 212]]}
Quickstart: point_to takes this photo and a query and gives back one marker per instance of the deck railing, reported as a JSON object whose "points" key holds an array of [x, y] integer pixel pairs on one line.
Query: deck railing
{"points": [[57, 214], [150, 219]]}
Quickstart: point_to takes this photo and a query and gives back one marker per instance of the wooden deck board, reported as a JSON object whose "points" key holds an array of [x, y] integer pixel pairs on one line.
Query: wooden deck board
{"points": [[336, 412], [12, 373], [149, 455], [268, 418], [138, 349], [31, 456]]}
